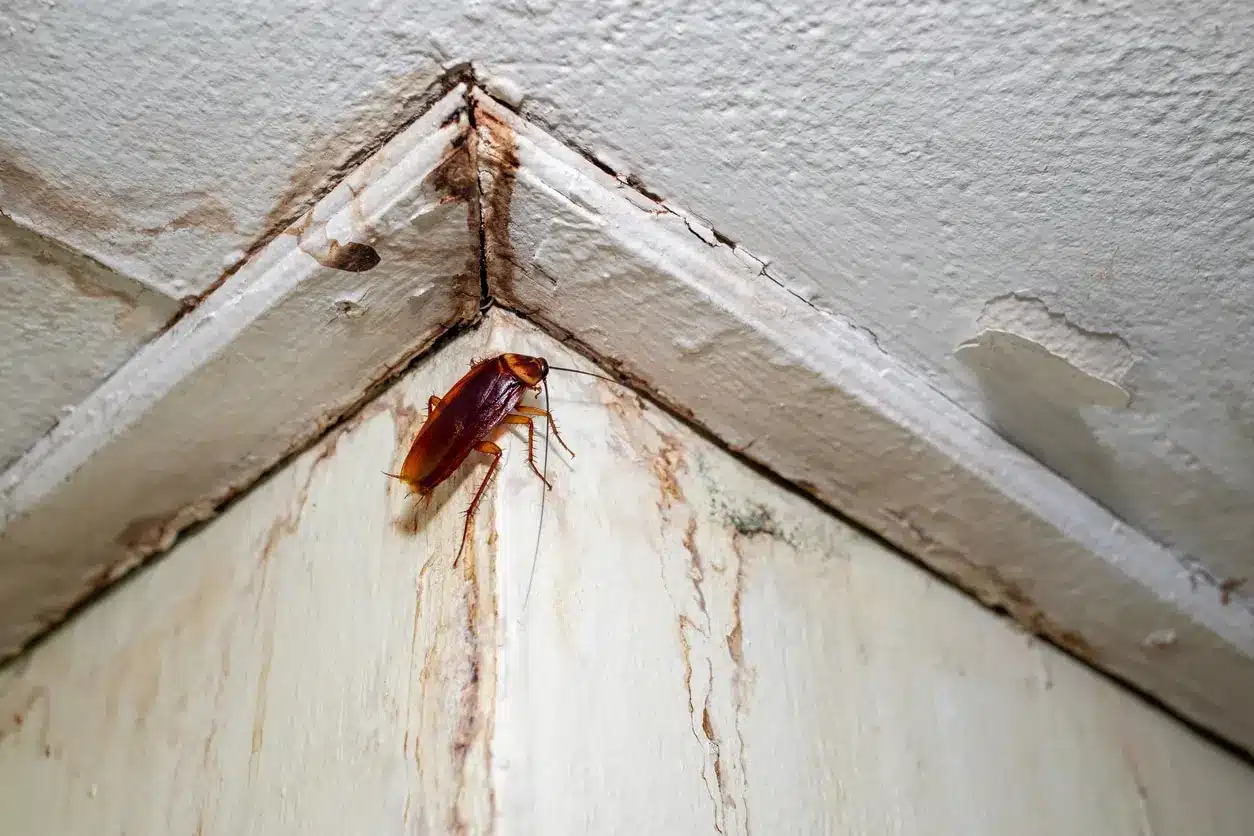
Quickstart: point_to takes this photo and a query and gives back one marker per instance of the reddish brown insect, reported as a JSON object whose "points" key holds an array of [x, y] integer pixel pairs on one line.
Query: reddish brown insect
{"points": [[470, 416]]}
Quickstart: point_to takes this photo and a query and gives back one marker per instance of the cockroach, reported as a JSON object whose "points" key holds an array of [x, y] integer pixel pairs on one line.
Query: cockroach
{"points": [[470, 416]]}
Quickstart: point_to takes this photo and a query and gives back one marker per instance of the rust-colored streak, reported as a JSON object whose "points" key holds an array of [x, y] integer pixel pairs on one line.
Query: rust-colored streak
{"points": [[735, 638], [353, 257], [497, 157], [666, 464], [453, 177], [470, 721], [686, 648], [696, 570]]}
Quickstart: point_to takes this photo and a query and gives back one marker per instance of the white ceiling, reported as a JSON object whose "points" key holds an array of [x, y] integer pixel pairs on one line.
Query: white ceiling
{"points": [[1076, 174]]}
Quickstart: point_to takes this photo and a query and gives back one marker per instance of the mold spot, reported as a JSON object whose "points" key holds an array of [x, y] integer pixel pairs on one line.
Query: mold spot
{"points": [[756, 520], [1025, 345]]}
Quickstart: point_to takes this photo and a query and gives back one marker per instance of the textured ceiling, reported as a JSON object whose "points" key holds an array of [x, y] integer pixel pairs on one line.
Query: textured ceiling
{"points": [[1070, 179]]}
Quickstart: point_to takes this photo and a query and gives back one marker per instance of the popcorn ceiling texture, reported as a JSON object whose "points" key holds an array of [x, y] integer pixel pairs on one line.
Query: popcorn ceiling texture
{"points": [[903, 165]]}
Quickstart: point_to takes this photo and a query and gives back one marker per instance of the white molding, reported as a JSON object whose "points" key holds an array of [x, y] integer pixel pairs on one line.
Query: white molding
{"points": [[657, 295], [273, 357]]}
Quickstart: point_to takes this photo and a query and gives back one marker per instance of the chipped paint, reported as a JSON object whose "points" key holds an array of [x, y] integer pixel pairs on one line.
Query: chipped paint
{"points": [[1022, 362], [1024, 344]]}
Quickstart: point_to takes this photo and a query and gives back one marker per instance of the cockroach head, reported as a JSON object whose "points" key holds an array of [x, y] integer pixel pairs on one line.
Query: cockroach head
{"points": [[530, 370]]}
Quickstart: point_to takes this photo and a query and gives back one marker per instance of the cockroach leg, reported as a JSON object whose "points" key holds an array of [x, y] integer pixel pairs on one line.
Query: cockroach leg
{"points": [[531, 442], [432, 403], [540, 413], [494, 451]]}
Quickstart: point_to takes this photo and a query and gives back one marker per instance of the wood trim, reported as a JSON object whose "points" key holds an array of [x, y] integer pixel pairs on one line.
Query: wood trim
{"points": [[673, 306], [375, 272]]}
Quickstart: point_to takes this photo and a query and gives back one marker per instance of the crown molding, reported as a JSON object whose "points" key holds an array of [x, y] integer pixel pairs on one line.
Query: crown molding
{"points": [[661, 297], [372, 275]]}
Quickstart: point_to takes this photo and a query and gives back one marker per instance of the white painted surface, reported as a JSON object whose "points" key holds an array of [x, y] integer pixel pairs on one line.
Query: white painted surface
{"points": [[900, 164], [703, 651], [278, 354], [819, 403], [66, 323]]}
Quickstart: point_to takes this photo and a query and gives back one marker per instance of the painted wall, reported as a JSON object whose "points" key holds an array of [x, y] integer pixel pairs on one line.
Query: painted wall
{"points": [[1072, 174], [702, 651]]}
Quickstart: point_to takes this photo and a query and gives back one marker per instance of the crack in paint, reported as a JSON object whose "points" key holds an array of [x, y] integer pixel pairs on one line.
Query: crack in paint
{"points": [[720, 789]]}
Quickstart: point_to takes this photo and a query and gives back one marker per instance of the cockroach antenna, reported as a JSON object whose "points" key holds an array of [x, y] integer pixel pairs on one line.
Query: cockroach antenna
{"points": [[540, 528], [535, 556], [581, 371]]}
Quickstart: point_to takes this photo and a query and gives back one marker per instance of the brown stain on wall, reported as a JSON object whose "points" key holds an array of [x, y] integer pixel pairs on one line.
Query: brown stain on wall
{"points": [[496, 158], [666, 464], [69, 205], [331, 158], [318, 170], [453, 177], [456, 180], [210, 213], [79, 206], [86, 277]]}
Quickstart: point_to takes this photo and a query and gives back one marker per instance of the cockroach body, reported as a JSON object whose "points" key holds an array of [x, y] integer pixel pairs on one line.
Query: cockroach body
{"points": [[470, 416]]}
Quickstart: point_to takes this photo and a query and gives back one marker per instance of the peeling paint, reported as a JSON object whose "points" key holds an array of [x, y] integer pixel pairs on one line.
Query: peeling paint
{"points": [[1022, 343], [352, 257]]}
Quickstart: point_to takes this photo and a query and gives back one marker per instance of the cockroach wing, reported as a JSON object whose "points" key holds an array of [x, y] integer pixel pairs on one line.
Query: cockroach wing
{"points": [[463, 418]]}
